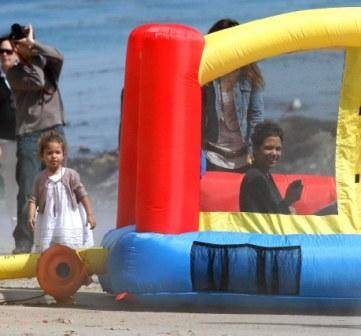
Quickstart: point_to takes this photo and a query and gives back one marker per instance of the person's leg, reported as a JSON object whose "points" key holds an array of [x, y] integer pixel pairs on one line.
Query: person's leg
{"points": [[27, 167], [8, 162]]}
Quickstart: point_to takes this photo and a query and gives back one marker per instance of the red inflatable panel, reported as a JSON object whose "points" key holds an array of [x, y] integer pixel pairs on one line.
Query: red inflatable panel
{"points": [[220, 191], [129, 130], [169, 130]]}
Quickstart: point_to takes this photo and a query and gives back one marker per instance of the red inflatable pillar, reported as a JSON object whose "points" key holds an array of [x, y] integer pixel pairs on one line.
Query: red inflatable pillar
{"points": [[129, 130], [169, 130]]}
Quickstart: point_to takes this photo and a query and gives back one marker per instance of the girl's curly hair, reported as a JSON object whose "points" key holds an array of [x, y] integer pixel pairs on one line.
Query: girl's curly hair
{"points": [[50, 136]]}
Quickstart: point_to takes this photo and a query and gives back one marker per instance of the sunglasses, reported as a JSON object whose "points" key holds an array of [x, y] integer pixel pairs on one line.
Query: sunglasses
{"points": [[6, 51]]}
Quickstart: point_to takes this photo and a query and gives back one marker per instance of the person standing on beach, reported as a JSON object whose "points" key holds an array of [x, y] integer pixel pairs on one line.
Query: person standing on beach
{"points": [[65, 215], [232, 106], [8, 59], [7, 104], [39, 108]]}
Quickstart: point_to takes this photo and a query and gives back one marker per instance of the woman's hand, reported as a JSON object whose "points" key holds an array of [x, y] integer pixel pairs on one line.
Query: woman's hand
{"points": [[249, 158], [293, 192], [292, 210]]}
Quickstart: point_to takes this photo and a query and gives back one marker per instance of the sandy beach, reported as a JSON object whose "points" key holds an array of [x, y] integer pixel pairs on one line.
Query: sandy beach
{"points": [[26, 311], [97, 313]]}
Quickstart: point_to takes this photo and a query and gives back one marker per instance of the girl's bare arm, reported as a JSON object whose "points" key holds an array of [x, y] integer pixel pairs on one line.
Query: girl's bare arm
{"points": [[89, 211]]}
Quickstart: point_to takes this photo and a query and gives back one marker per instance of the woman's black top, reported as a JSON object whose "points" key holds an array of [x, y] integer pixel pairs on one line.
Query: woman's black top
{"points": [[7, 111], [259, 193]]}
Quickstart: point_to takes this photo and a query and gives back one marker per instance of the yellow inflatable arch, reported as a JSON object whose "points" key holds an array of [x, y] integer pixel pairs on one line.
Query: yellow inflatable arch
{"points": [[231, 48], [234, 47]]}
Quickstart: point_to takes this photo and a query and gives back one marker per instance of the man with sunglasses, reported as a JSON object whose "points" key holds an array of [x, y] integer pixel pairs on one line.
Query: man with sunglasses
{"points": [[7, 55], [39, 108]]}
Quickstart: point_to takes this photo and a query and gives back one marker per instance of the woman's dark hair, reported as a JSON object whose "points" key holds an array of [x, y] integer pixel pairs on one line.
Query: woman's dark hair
{"points": [[252, 70], [222, 24], [264, 130]]}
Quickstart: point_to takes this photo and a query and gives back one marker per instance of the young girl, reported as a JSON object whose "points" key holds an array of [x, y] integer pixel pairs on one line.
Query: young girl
{"points": [[57, 192]]}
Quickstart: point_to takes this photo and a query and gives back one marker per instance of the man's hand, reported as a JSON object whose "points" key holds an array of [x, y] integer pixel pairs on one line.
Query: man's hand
{"points": [[24, 46]]}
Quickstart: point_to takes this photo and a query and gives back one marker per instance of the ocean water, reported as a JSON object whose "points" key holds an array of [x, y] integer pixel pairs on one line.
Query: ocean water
{"points": [[92, 35]]}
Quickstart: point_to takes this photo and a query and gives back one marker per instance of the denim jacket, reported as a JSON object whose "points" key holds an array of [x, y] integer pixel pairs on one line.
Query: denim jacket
{"points": [[249, 107]]}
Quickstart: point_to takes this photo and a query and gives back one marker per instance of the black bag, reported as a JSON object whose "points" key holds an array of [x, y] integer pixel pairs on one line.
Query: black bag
{"points": [[7, 112]]}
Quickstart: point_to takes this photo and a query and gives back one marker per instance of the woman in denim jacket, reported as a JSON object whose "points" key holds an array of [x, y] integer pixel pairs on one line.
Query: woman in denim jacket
{"points": [[232, 106]]}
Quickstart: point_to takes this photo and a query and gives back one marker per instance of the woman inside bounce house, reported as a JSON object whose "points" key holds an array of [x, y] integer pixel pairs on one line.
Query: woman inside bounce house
{"points": [[259, 192]]}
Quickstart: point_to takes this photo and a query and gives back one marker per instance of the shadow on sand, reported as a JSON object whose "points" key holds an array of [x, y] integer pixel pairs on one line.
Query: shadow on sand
{"points": [[85, 300]]}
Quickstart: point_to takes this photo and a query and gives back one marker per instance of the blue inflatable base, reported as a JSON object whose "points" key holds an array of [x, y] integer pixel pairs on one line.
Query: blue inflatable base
{"points": [[249, 303], [235, 270]]}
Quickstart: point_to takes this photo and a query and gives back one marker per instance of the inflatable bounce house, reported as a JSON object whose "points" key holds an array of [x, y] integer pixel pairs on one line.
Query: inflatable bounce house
{"points": [[181, 237]]}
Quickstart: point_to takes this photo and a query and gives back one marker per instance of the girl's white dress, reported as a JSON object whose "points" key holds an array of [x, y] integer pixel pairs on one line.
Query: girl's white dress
{"points": [[60, 223]]}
